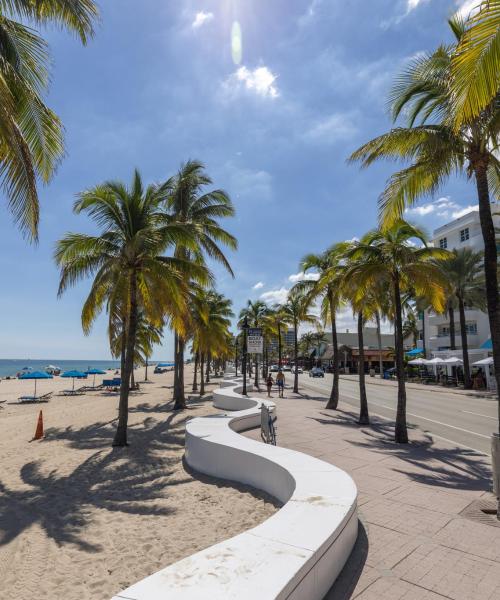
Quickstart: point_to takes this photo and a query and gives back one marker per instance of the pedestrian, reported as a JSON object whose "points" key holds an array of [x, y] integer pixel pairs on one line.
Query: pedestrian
{"points": [[269, 384], [280, 380]]}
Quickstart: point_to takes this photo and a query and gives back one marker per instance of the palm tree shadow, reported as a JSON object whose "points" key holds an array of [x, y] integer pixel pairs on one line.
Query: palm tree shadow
{"points": [[126, 480], [422, 460]]}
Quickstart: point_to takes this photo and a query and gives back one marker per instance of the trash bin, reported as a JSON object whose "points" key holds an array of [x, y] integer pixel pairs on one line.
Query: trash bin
{"points": [[372, 372]]}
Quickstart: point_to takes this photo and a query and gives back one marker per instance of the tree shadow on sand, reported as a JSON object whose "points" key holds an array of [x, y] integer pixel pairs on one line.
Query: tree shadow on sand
{"points": [[422, 460], [126, 480]]}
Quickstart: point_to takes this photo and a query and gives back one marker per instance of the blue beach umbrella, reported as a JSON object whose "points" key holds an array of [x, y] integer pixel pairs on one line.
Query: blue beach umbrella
{"points": [[74, 375], [36, 375], [95, 372]]}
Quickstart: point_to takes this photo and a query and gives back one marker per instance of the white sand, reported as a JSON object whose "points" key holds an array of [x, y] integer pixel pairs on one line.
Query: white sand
{"points": [[79, 520]]}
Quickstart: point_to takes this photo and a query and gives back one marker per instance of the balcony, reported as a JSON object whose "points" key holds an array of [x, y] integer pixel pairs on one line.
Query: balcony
{"points": [[442, 340]]}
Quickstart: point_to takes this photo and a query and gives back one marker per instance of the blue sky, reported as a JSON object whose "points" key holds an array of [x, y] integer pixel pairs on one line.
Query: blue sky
{"points": [[159, 85]]}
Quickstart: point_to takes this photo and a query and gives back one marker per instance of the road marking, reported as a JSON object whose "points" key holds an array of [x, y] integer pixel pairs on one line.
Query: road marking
{"points": [[371, 402], [479, 415]]}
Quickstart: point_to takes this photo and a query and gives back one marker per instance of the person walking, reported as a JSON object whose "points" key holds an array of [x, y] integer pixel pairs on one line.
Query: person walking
{"points": [[269, 384], [280, 380]]}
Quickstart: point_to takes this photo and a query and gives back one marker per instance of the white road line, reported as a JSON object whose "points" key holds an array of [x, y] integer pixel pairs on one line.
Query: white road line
{"points": [[479, 414], [371, 402]]}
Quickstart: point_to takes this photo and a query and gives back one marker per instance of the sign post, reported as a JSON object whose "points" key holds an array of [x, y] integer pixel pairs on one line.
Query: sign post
{"points": [[255, 343]]}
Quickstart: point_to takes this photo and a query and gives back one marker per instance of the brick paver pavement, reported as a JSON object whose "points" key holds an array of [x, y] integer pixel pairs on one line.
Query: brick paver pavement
{"points": [[412, 544]]}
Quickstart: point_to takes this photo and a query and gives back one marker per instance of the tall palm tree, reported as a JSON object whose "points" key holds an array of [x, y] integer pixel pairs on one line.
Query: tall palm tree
{"points": [[296, 312], [330, 270], [278, 320], [462, 270], [31, 135], [436, 149], [127, 263], [384, 256], [476, 63], [257, 313], [189, 204]]}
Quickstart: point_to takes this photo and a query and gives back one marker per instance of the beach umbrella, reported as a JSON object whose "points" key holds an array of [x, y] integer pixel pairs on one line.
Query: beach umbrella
{"points": [[417, 361], [164, 364], [36, 375], [414, 352], [74, 375], [95, 372]]}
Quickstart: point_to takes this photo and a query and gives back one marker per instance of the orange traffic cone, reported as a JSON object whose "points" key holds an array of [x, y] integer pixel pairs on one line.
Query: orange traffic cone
{"points": [[39, 428]]}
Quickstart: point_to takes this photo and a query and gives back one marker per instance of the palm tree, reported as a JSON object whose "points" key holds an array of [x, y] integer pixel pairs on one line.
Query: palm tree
{"points": [[462, 270], [330, 270], [256, 313], [436, 149], [31, 135], [211, 333], [130, 273], [385, 257], [278, 319], [189, 204], [296, 312], [476, 64]]}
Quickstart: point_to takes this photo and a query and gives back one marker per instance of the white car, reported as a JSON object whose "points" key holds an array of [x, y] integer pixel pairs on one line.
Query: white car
{"points": [[274, 368], [286, 368], [297, 369]]}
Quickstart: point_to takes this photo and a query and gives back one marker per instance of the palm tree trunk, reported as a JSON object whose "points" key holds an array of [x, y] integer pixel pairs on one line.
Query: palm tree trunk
{"points": [[490, 270], [465, 346], [120, 438], [146, 371], [451, 314], [202, 380], [333, 402], [207, 378], [364, 418], [179, 396], [195, 376], [379, 341], [132, 379], [401, 431], [295, 358]]}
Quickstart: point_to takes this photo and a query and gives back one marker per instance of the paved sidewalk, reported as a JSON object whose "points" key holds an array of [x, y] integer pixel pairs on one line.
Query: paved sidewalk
{"points": [[413, 544]]}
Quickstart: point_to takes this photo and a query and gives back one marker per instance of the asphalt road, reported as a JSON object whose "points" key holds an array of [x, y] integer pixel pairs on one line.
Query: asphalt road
{"points": [[464, 420]]}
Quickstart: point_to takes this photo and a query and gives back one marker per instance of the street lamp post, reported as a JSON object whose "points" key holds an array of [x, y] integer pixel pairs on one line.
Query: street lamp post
{"points": [[244, 365]]}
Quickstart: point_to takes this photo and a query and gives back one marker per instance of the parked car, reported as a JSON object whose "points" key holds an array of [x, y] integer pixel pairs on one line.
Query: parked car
{"points": [[274, 368], [316, 372], [298, 369], [286, 368]]}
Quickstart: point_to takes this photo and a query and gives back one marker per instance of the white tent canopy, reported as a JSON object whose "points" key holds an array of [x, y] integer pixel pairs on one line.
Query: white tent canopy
{"points": [[454, 360], [484, 361], [417, 361], [435, 361]]}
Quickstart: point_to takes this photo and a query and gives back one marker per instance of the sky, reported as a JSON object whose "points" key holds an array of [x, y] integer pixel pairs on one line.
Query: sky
{"points": [[273, 117]]}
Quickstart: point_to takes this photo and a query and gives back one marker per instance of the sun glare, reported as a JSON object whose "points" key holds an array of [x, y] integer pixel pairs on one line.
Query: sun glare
{"points": [[236, 43]]}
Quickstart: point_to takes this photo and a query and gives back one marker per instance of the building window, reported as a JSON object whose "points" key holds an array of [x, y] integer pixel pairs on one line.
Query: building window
{"points": [[464, 234], [443, 243], [471, 328]]}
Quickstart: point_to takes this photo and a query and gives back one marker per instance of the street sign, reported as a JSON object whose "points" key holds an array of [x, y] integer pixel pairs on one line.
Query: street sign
{"points": [[254, 340]]}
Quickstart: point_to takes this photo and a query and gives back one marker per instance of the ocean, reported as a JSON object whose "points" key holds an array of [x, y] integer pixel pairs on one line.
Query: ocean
{"points": [[12, 366]]}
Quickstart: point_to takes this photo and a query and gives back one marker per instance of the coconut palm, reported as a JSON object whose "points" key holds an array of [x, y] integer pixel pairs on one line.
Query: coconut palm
{"points": [[476, 63], [125, 259], [31, 135], [189, 204], [436, 149], [463, 273], [296, 312], [385, 257], [327, 288]]}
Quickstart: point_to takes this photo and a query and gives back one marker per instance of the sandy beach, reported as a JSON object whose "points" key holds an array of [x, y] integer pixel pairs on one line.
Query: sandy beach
{"points": [[80, 520]]}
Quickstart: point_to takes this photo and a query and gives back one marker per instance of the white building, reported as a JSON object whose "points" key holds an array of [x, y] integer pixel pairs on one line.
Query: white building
{"points": [[462, 232]]}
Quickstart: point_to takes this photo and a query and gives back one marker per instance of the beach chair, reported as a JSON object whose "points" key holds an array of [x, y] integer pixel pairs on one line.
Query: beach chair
{"points": [[33, 399]]}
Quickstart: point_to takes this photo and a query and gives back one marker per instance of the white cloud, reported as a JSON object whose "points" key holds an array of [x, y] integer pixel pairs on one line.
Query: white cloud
{"points": [[444, 208], [258, 286], [467, 7], [303, 277], [275, 296], [260, 81], [413, 4], [201, 18], [254, 185], [339, 126]]}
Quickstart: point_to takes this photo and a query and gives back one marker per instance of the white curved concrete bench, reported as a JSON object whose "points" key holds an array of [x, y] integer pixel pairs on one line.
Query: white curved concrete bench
{"points": [[297, 553]]}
